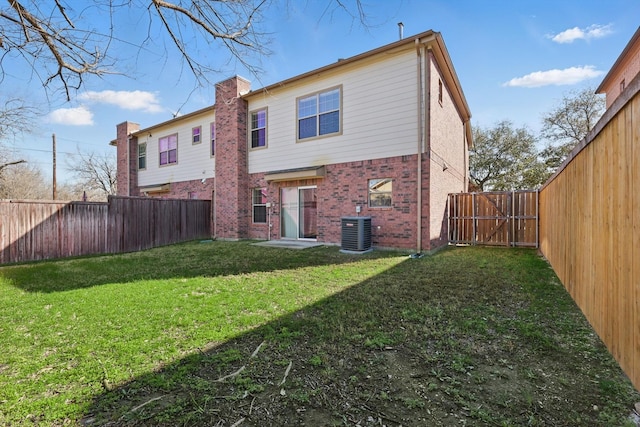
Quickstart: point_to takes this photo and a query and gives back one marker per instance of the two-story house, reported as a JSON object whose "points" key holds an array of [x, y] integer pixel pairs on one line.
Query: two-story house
{"points": [[623, 71], [384, 134]]}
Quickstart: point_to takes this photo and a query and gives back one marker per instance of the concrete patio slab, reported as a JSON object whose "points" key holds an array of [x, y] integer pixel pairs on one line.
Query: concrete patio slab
{"points": [[289, 244]]}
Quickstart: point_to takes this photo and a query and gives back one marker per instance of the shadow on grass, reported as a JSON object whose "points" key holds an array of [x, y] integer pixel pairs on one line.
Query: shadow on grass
{"points": [[187, 260], [465, 336]]}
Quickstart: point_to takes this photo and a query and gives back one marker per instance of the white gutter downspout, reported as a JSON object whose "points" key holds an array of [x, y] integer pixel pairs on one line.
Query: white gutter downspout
{"points": [[419, 51], [427, 117]]}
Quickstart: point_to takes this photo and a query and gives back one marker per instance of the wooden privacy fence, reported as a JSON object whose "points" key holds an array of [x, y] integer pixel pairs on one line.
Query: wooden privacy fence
{"points": [[505, 218], [137, 223], [590, 228], [39, 230]]}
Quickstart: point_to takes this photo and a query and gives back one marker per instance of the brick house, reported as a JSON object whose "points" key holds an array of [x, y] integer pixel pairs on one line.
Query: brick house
{"points": [[626, 67], [384, 134]]}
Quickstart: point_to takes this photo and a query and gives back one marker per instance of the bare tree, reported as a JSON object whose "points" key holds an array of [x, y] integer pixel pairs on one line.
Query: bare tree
{"points": [[63, 49], [95, 174], [568, 124], [7, 164], [23, 181], [16, 117]]}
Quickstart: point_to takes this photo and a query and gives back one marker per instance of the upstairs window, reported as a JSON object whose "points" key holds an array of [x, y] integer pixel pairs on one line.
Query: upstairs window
{"points": [[259, 203], [319, 114], [213, 139], [142, 156], [195, 135], [259, 129], [380, 191], [168, 148]]}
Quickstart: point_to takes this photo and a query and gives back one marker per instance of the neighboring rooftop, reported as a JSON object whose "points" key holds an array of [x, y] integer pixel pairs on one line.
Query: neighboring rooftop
{"points": [[626, 67]]}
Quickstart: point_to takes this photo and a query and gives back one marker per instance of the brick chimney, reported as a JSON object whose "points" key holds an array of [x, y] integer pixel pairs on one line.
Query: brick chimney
{"points": [[127, 159], [232, 204]]}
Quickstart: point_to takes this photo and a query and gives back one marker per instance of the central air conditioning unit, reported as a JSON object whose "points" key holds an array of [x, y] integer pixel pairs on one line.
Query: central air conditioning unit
{"points": [[356, 234]]}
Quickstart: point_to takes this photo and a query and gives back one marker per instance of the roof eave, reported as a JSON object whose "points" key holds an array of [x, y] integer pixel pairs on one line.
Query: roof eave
{"points": [[635, 38], [174, 120], [340, 63]]}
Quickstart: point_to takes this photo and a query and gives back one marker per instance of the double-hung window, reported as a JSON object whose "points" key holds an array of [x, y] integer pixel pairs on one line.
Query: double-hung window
{"points": [[380, 191], [195, 135], [319, 114], [168, 147], [259, 203], [213, 139], [142, 156], [259, 129]]}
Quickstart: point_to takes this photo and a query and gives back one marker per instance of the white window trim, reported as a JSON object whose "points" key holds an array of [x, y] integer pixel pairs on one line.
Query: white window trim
{"points": [[253, 205], [193, 136], [143, 144], [381, 180], [159, 152]]}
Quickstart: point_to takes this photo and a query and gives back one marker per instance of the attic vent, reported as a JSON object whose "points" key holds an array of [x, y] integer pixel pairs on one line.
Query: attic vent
{"points": [[356, 234]]}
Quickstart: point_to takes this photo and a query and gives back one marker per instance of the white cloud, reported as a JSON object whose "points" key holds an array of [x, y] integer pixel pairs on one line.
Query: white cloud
{"points": [[575, 33], [568, 76], [128, 100], [79, 116]]}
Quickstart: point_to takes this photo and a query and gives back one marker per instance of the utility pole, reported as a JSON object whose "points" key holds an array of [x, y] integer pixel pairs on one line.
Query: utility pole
{"points": [[54, 165]]}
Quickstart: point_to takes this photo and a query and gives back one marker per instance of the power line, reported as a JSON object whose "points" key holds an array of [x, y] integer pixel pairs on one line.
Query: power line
{"points": [[41, 150], [80, 142], [83, 142], [14, 149]]}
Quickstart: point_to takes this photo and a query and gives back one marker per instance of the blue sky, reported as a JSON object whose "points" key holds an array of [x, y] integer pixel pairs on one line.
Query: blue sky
{"points": [[515, 60]]}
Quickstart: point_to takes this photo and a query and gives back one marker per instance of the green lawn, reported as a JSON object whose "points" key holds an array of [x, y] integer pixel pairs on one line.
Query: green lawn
{"points": [[224, 332]]}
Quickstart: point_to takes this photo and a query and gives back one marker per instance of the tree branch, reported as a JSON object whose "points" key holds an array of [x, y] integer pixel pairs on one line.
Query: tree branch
{"points": [[64, 49], [6, 165], [236, 36], [72, 59]]}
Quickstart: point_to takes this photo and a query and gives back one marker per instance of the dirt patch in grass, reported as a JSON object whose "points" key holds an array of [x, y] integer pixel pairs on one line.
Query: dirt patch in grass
{"points": [[470, 336]]}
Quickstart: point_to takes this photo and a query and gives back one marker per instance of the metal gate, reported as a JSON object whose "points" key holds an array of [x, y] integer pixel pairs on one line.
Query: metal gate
{"points": [[498, 218]]}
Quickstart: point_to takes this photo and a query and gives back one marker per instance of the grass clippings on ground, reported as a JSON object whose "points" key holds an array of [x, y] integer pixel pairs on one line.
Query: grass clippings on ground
{"points": [[226, 333]]}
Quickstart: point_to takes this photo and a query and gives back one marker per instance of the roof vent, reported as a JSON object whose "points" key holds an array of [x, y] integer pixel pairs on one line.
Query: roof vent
{"points": [[401, 30]]}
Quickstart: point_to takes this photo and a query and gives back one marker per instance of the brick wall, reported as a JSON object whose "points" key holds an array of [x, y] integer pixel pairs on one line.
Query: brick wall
{"points": [[448, 157], [347, 186], [232, 204], [626, 70], [127, 159], [261, 231], [344, 187]]}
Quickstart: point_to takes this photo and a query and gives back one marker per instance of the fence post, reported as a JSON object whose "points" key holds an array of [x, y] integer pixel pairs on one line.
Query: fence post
{"points": [[512, 239], [474, 217], [537, 218]]}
